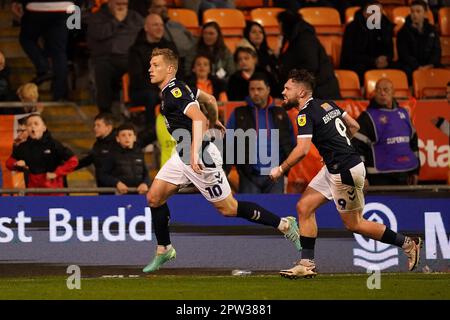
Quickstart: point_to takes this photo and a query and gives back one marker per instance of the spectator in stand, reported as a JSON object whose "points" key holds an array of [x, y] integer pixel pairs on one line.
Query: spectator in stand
{"points": [[261, 113], [366, 49], [29, 93], [247, 60], [140, 6], [111, 32], [387, 140], [5, 86], [176, 33], [255, 37], [45, 159], [211, 43], [46, 20], [142, 92], [125, 167], [302, 49], [203, 79], [418, 42], [104, 143], [21, 132]]}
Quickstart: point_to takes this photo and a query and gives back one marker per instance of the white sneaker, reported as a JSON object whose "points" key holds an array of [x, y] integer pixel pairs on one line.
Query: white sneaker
{"points": [[411, 248], [304, 268]]}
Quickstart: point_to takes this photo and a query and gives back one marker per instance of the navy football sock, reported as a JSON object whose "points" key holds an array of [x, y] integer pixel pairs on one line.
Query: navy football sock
{"points": [[257, 214], [308, 245], [392, 237], [160, 221]]}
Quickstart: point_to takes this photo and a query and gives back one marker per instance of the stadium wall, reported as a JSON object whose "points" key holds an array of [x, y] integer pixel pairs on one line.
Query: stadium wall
{"points": [[116, 230]]}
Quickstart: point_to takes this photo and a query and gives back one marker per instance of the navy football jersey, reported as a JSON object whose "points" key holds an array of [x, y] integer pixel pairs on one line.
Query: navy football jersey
{"points": [[322, 121], [177, 97]]}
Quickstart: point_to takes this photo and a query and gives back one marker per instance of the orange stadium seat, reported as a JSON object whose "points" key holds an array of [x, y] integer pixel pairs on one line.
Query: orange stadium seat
{"points": [[325, 20], [249, 4], [393, 2], [231, 42], [187, 18], [267, 17], [231, 21], [332, 45], [398, 77], [350, 14], [348, 84], [399, 15], [430, 83], [444, 23], [126, 95], [445, 51], [274, 43], [97, 5]]}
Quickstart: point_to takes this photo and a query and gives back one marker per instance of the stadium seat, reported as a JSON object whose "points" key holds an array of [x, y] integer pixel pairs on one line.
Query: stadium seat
{"points": [[231, 21], [399, 15], [350, 14], [125, 88], [444, 23], [397, 77], [394, 46], [246, 4], [348, 84], [231, 42], [392, 2], [97, 5], [267, 17], [332, 45], [445, 51], [430, 83], [325, 20], [274, 43], [187, 18]]}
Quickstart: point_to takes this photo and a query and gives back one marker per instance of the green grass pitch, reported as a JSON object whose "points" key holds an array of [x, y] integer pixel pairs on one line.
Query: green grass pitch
{"points": [[258, 287]]}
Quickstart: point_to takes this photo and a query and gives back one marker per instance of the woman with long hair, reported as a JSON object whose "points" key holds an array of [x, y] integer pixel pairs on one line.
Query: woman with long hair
{"points": [[211, 44]]}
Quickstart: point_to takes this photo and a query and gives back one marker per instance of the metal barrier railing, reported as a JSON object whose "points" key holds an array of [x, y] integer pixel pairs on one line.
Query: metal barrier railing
{"points": [[371, 189], [18, 104]]}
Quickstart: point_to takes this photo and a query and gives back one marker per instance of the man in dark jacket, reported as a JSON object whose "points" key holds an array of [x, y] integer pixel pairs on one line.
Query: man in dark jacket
{"points": [[142, 92], [261, 113], [418, 42], [365, 49], [110, 33], [387, 140], [106, 140], [125, 166], [302, 50]]}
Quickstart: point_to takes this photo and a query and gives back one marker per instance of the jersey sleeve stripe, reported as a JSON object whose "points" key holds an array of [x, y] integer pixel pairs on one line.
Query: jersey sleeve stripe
{"points": [[304, 136], [189, 105]]}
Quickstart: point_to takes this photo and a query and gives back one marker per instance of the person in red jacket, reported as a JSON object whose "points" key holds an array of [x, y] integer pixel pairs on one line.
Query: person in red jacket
{"points": [[45, 159]]}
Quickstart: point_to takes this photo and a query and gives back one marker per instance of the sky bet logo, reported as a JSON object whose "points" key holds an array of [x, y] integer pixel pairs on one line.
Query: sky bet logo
{"points": [[112, 229]]}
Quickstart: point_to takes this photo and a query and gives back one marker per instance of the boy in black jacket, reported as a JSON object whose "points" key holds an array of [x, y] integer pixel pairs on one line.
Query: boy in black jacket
{"points": [[106, 140], [125, 167]]}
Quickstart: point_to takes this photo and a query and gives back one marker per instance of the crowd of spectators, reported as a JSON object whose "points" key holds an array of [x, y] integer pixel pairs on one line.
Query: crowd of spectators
{"points": [[120, 37]]}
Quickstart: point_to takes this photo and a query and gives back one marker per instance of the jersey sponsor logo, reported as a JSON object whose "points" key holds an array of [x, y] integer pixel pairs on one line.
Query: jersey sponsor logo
{"points": [[326, 106], [331, 115], [301, 120], [176, 92]]}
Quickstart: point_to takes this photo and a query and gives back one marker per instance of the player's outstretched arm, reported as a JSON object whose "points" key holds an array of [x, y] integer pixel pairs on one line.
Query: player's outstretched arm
{"points": [[297, 154], [351, 124]]}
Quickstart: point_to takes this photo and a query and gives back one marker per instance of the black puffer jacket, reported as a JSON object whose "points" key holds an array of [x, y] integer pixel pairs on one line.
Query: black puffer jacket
{"points": [[99, 152], [418, 49], [361, 45], [124, 165], [304, 51]]}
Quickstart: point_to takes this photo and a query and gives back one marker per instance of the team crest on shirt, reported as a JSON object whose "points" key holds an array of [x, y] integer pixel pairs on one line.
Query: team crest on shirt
{"points": [[326, 106], [383, 119], [176, 92], [301, 120]]}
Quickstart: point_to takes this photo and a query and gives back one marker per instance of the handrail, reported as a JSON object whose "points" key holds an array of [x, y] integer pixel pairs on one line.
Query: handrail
{"points": [[419, 188], [18, 104]]}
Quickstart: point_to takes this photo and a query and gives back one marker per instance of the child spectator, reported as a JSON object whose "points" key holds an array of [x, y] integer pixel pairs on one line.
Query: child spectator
{"points": [[45, 159], [203, 79], [105, 135], [29, 93], [125, 167]]}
